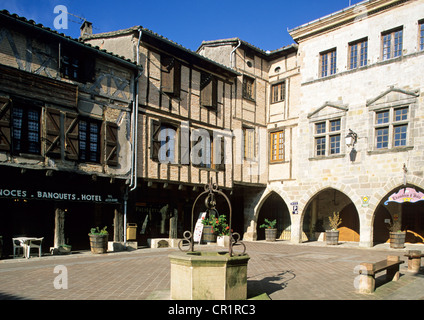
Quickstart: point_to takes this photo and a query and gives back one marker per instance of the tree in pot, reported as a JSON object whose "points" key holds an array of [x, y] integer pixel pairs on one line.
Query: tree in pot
{"points": [[98, 240], [332, 235], [270, 230], [397, 236]]}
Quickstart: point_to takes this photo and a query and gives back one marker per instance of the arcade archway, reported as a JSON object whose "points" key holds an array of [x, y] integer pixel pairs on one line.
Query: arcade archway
{"points": [[275, 208], [321, 207], [404, 204]]}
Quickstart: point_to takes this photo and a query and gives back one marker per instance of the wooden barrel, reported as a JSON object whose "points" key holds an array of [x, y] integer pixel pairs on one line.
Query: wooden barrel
{"points": [[207, 235], [270, 234], [397, 240], [98, 243], [332, 237]]}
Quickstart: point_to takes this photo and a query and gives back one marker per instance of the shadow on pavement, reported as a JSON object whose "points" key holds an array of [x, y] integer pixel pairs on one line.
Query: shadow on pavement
{"points": [[268, 282]]}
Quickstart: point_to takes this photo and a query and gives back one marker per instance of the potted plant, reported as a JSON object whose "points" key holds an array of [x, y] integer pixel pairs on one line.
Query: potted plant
{"points": [[98, 240], [208, 234], [222, 230], [270, 230], [64, 249], [332, 235], [397, 236]]}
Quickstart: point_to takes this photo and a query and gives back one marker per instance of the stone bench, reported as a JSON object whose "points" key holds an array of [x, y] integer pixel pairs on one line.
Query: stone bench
{"points": [[163, 243], [414, 260], [369, 270]]}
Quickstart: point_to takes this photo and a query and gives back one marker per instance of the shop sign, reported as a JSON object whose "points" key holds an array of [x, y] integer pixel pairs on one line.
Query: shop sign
{"points": [[26, 194], [295, 206], [198, 229], [406, 195]]}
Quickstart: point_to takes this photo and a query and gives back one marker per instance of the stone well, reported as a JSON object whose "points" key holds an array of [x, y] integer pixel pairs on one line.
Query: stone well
{"points": [[208, 276]]}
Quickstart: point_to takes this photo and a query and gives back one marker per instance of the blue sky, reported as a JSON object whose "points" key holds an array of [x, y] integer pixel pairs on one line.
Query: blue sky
{"points": [[263, 23]]}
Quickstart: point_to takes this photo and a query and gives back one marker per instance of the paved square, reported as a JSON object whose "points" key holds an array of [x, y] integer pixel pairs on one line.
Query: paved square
{"points": [[283, 271]]}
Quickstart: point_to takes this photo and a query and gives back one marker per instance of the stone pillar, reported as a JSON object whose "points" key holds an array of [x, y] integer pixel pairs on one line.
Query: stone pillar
{"points": [[296, 228], [118, 226], [173, 223], [365, 223], [59, 227], [251, 212]]}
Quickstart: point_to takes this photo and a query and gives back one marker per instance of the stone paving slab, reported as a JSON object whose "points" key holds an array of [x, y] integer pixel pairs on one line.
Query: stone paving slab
{"points": [[282, 270]]}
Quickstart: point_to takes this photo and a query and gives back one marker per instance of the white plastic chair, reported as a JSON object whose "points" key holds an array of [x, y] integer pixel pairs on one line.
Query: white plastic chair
{"points": [[34, 244], [18, 244]]}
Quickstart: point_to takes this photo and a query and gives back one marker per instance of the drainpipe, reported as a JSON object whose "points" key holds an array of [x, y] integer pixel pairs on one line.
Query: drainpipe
{"points": [[135, 139], [232, 54], [134, 133]]}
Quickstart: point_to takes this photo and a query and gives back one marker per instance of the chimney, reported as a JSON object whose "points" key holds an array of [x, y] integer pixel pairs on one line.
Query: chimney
{"points": [[86, 29]]}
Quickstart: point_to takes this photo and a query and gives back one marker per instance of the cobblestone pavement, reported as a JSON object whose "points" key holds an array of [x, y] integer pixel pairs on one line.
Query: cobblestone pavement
{"points": [[282, 270]]}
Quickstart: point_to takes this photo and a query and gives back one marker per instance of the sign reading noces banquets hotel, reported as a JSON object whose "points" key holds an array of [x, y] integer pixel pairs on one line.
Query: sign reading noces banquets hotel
{"points": [[27, 194], [406, 195]]}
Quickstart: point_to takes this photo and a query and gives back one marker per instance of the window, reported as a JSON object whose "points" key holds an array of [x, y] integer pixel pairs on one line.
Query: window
{"points": [[391, 128], [278, 92], [421, 35], [201, 154], [392, 43], [77, 67], [277, 146], [249, 143], [208, 91], [327, 137], [328, 61], [208, 150], [89, 140], [170, 75], [26, 128], [358, 54], [167, 138], [164, 140], [248, 88]]}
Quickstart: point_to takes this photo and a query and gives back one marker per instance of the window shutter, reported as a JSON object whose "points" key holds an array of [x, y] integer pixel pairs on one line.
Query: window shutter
{"points": [[52, 133], [155, 142], [170, 76], [184, 145], [111, 147], [177, 79], [221, 166], [5, 137], [167, 73], [209, 92], [206, 90], [71, 136]]}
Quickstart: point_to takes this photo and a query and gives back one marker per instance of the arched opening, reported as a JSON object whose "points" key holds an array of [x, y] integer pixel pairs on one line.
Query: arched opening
{"points": [[275, 208], [321, 207], [406, 205]]}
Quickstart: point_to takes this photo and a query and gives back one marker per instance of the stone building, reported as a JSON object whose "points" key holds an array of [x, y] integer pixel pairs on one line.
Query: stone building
{"points": [[354, 73], [270, 127], [65, 149], [360, 77], [268, 117], [184, 129]]}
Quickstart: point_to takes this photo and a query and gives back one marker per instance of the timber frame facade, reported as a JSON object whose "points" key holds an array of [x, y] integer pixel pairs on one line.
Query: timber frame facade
{"points": [[65, 118], [267, 126]]}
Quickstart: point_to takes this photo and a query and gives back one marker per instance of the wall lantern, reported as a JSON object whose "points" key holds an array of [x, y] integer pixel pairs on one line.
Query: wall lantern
{"points": [[351, 139]]}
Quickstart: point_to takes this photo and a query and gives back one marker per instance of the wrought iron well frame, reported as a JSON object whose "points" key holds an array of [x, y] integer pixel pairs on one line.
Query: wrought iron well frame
{"points": [[210, 190]]}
